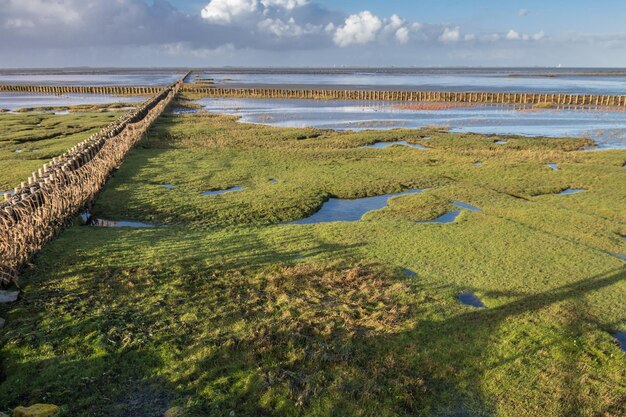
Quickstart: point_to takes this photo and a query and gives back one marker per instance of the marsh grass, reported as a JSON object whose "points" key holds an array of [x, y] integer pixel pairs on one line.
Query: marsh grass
{"points": [[227, 310], [39, 137]]}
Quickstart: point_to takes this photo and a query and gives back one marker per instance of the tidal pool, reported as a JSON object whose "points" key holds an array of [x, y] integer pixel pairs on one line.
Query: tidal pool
{"points": [[621, 340], [449, 217], [227, 190], [470, 299], [570, 191], [89, 220], [381, 145], [119, 223], [344, 210], [465, 206], [606, 128]]}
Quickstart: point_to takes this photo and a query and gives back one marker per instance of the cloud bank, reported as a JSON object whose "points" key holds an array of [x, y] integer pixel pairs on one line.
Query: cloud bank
{"points": [[221, 27]]}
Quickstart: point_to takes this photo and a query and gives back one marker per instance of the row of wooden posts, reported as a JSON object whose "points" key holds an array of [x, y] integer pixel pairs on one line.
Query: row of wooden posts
{"points": [[335, 94], [82, 89], [415, 96], [50, 198]]}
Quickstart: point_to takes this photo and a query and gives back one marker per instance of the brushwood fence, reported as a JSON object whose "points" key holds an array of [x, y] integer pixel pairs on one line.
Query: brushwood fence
{"points": [[414, 96], [51, 197], [338, 94]]}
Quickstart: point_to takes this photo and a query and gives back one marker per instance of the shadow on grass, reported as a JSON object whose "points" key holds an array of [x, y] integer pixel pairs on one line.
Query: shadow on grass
{"points": [[107, 338]]}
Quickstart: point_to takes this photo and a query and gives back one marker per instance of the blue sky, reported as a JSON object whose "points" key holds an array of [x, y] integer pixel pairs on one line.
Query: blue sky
{"points": [[312, 32]]}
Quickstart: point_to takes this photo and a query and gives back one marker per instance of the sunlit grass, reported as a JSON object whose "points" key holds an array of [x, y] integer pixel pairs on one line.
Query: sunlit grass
{"points": [[228, 311]]}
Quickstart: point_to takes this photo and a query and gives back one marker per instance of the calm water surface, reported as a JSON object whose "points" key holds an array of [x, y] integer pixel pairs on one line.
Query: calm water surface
{"points": [[14, 101], [606, 128]]}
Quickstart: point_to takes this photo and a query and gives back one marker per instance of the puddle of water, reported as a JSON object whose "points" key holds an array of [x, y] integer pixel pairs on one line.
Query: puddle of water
{"points": [[9, 296], [168, 186], [553, 166], [621, 340], [409, 273], [478, 163], [273, 181], [470, 299], [342, 210], [121, 223], [500, 142], [218, 192], [570, 191], [465, 206], [381, 145], [91, 221], [449, 217]]}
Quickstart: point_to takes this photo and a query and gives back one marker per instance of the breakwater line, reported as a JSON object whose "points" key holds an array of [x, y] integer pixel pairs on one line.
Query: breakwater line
{"points": [[52, 196], [82, 89], [414, 96], [556, 99]]}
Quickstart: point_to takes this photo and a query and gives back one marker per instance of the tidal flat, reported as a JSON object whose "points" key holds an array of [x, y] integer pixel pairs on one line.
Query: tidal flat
{"points": [[230, 311]]}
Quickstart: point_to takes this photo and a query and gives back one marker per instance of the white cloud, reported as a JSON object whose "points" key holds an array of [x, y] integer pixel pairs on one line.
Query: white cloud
{"points": [[402, 35], [359, 28], [451, 35], [513, 36], [45, 11], [227, 11], [289, 28], [285, 4], [516, 36], [539, 36]]}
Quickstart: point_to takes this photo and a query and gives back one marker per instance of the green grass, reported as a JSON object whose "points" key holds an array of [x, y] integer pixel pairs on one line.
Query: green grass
{"points": [[226, 311], [40, 137]]}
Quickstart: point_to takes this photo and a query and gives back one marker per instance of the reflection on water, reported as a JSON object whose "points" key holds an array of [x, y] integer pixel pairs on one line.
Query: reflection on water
{"points": [[607, 128], [14, 101], [381, 145], [218, 192], [340, 210], [470, 299], [554, 167], [570, 191]]}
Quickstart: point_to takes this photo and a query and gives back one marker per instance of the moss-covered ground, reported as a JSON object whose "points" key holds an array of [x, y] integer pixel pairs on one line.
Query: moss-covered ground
{"points": [[226, 310]]}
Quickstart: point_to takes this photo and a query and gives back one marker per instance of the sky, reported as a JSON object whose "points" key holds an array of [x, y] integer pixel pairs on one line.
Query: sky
{"points": [[296, 33]]}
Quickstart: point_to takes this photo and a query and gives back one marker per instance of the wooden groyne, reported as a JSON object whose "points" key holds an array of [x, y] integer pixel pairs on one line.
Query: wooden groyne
{"points": [[338, 94], [414, 96], [83, 89], [50, 198]]}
